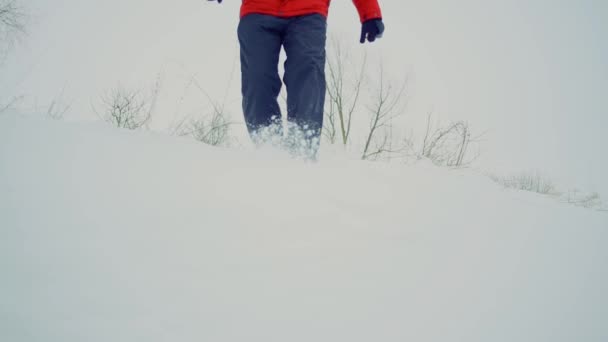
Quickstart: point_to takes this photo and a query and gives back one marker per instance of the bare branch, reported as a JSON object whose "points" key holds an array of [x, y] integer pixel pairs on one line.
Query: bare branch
{"points": [[11, 103], [343, 100], [125, 108], [383, 110], [448, 145], [57, 108]]}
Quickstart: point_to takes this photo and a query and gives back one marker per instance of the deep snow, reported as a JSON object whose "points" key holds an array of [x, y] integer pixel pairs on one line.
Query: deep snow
{"points": [[112, 235]]}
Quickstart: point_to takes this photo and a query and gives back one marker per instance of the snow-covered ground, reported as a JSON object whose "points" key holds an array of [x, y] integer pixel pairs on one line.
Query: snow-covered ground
{"points": [[112, 235]]}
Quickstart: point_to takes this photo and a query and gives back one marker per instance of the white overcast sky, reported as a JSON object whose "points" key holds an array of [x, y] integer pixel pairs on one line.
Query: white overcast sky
{"points": [[533, 73]]}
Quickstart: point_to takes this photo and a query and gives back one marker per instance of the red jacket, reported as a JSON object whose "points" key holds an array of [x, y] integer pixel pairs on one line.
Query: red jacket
{"points": [[368, 9]]}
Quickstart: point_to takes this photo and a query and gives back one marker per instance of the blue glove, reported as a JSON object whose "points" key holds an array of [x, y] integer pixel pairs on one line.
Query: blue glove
{"points": [[372, 29]]}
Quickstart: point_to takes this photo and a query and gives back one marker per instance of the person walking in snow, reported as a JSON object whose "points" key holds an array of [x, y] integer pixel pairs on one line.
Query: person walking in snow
{"points": [[300, 27]]}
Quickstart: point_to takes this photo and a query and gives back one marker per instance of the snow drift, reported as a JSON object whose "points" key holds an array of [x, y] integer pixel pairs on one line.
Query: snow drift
{"points": [[111, 235]]}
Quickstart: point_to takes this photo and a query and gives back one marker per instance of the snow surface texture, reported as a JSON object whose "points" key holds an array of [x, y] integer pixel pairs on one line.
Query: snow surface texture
{"points": [[110, 235]]}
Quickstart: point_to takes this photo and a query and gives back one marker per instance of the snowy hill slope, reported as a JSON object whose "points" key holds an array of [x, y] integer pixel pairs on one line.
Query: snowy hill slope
{"points": [[110, 235]]}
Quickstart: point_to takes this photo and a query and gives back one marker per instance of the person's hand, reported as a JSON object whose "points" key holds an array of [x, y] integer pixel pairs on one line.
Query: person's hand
{"points": [[218, 1], [371, 29]]}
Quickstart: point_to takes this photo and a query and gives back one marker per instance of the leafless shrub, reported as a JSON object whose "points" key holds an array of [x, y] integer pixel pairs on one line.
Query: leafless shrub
{"points": [[213, 130], [528, 181], [124, 109], [10, 104], [385, 106], [445, 145], [537, 183], [12, 22], [591, 200], [344, 85], [11, 15], [57, 108], [128, 109]]}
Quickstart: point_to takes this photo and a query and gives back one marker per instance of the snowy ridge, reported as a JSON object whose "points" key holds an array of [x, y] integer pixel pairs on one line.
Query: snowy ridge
{"points": [[110, 235]]}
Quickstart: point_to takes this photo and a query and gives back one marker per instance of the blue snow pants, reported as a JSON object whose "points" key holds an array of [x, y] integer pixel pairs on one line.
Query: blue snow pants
{"points": [[303, 38]]}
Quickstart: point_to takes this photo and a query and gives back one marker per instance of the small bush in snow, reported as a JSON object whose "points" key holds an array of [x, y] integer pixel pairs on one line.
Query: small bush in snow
{"points": [[528, 181], [125, 108], [587, 200], [12, 24], [535, 182], [446, 145], [213, 130]]}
